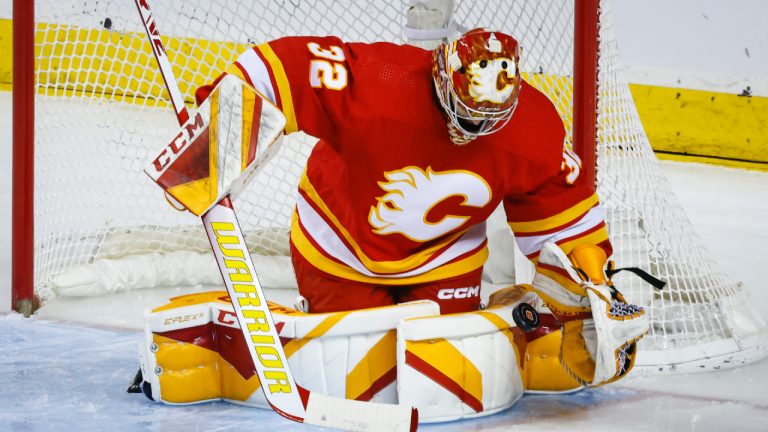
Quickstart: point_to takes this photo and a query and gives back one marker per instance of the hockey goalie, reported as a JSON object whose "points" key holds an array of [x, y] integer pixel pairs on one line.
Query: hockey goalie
{"points": [[416, 149]]}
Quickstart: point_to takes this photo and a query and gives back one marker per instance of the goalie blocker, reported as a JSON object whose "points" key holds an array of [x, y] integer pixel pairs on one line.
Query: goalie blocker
{"points": [[447, 366], [218, 150]]}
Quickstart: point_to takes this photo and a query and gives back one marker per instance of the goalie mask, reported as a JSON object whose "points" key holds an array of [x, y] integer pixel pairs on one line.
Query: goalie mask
{"points": [[477, 81]]}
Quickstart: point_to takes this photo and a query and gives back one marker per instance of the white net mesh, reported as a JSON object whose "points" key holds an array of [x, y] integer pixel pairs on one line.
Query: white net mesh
{"points": [[700, 307], [102, 113]]}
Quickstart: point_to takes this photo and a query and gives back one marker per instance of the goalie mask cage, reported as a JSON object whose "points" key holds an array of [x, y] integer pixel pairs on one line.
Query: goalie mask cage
{"points": [[101, 112]]}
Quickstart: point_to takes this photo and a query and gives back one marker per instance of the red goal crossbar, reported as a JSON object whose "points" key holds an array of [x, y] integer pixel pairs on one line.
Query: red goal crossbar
{"points": [[585, 86]]}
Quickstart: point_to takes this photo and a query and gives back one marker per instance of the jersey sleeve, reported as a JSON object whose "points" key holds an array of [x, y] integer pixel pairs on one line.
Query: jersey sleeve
{"points": [[306, 77], [560, 210]]}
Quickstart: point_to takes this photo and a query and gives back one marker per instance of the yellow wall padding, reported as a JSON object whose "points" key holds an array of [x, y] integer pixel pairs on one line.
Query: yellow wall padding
{"points": [[103, 63], [6, 49], [703, 123]]}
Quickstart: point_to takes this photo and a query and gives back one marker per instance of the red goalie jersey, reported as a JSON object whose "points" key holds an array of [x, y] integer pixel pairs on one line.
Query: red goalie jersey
{"points": [[387, 198]]}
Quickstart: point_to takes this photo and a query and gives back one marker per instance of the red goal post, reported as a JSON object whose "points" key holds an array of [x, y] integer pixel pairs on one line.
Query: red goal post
{"points": [[23, 245]]}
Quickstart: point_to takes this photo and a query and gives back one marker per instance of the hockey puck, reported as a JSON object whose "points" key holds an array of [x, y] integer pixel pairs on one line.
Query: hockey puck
{"points": [[525, 316]]}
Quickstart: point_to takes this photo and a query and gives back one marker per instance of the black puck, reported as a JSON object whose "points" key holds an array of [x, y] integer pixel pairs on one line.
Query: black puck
{"points": [[525, 316], [107, 23]]}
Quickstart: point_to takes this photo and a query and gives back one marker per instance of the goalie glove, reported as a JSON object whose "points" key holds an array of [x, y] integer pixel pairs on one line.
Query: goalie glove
{"points": [[600, 329]]}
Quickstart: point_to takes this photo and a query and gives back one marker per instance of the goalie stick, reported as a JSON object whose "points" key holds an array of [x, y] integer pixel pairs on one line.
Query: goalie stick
{"points": [[253, 315]]}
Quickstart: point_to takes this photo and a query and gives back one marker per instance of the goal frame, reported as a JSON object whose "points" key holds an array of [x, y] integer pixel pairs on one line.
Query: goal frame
{"points": [[585, 97]]}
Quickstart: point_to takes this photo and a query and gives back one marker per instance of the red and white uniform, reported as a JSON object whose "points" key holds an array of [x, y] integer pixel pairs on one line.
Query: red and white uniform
{"points": [[387, 198]]}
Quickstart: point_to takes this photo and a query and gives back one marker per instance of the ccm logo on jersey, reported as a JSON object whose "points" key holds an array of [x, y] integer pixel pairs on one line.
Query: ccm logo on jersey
{"points": [[458, 293], [177, 145]]}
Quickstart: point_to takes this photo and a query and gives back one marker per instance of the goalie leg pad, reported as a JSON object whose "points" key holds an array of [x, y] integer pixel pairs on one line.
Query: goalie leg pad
{"points": [[177, 362], [461, 365], [193, 351], [541, 368]]}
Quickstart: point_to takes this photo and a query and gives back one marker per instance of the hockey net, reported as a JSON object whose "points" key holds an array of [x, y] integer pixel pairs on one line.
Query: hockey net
{"points": [[102, 112]]}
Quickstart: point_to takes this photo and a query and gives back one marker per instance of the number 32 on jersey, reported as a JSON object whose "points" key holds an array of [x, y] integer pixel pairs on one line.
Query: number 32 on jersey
{"points": [[327, 69]]}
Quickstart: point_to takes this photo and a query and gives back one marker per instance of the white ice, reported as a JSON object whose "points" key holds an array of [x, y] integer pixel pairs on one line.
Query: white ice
{"points": [[60, 375]]}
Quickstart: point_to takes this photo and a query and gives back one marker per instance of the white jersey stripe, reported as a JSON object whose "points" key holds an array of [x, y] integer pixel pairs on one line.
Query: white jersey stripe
{"points": [[257, 73], [331, 244], [533, 244]]}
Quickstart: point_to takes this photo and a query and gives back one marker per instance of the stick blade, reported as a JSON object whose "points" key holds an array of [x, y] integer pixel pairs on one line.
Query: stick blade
{"points": [[354, 415]]}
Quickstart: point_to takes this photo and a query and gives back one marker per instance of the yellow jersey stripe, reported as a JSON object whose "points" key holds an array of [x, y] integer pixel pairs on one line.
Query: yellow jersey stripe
{"points": [[234, 70], [283, 86], [557, 220], [321, 262], [593, 238], [381, 267]]}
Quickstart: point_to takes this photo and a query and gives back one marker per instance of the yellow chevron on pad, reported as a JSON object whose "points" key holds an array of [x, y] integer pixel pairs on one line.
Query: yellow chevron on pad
{"points": [[375, 370], [439, 360]]}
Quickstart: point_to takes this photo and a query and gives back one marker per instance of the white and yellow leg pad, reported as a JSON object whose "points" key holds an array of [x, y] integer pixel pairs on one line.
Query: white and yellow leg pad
{"points": [[193, 351], [461, 365]]}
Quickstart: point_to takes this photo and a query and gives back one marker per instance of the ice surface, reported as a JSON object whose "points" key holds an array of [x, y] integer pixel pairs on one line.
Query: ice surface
{"points": [[64, 377], [60, 376]]}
